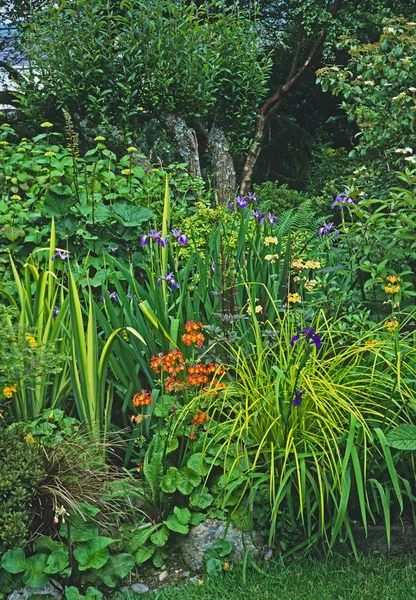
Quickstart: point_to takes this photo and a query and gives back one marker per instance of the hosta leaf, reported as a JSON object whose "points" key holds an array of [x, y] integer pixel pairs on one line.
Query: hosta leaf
{"points": [[57, 562], [187, 480]]}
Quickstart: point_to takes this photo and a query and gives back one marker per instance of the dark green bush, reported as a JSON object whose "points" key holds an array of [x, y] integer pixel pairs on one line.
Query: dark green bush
{"points": [[21, 472]]}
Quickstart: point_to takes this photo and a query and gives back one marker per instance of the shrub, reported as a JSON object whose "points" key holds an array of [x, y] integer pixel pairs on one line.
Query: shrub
{"points": [[21, 474]]}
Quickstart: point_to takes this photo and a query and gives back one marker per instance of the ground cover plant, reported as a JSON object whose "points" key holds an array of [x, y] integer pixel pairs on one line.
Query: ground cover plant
{"points": [[175, 354]]}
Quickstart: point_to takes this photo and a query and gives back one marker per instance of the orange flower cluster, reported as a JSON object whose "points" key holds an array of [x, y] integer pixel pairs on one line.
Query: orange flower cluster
{"points": [[197, 375], [173, 385], [171, 363], [193, 335], [136, 419], [200, 418], [142, 398]]}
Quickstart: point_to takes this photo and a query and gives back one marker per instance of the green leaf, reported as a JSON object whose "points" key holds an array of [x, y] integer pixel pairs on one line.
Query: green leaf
{"points": [[198, 464], [402, 437], [197, 518], [144, 554], [117, 567], [223, 548], [187, 480], [201, 498], [130, 215], [14, 561], [169, 481], [34, 575], [174, 525], [72, 593], [160, 537], [182, 514], [56, 205], [214, 567], [57, 562], [94, 553]]}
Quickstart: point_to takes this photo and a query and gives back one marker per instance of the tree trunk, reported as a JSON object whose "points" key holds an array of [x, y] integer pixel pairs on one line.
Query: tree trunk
{"points": [[272, 104], [225, 182], [186, 142]]}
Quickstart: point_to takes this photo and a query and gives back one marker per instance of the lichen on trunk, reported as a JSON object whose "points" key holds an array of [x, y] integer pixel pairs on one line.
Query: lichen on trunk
{"points": [[222, 164]]}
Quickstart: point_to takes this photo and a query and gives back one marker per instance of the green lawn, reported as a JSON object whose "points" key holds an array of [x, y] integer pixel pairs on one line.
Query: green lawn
{"points": [[373, 578]]}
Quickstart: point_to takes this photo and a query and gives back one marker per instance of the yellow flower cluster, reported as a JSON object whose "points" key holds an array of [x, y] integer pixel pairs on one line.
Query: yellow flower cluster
{"points": [[30, 439], [392, 289], [99, 138], [271, 257], [127, 172], [31, 340], [311, 285], [298, 264], [292, 298], [131, 149], [391, 325], [9, 390], [257, 309], [50, 153], [270, 240], [46, 124]]}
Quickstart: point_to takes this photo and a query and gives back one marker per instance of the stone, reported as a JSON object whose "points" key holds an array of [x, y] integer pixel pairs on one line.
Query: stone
{"points": [[25, 592], [164, 575], [139, 588], [203, 536]]}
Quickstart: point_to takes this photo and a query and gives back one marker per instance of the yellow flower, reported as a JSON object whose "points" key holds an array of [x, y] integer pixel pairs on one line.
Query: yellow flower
{"points": [[21, 149], [312, 264], [311, 284], [370, 342], [1, 415], [292, 298], [16, 197], [257, 309], [9, 390], [131, 149], [30, 439], [270, 240], [50, 153], [392, 289], [4, 143], [99, 138], [31, 340], [391, 325], [5, 125], [271, 257], [298, 264], [393, 278], [46, 124], [126, 172], [226, 566], [200, 582], [51, 416]]}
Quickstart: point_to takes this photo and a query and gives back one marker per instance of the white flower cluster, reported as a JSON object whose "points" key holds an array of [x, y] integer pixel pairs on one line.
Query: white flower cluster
{"points": [[404, 151]]}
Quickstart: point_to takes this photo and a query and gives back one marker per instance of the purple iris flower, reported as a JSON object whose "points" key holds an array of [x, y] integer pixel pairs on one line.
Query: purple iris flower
{"points": [[113, 250], [213, 266], [231, 206], [183, 240], [341, 199], [113, 296], [328, 228], [155, 235], [62, 254], [55, 312], [252, 196], [144, 240], [297, 400], [241, 202], [170, 280], [176, 233], [129, 296], [162, 241], [310, 335], [258, 215], [272, 219]]}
